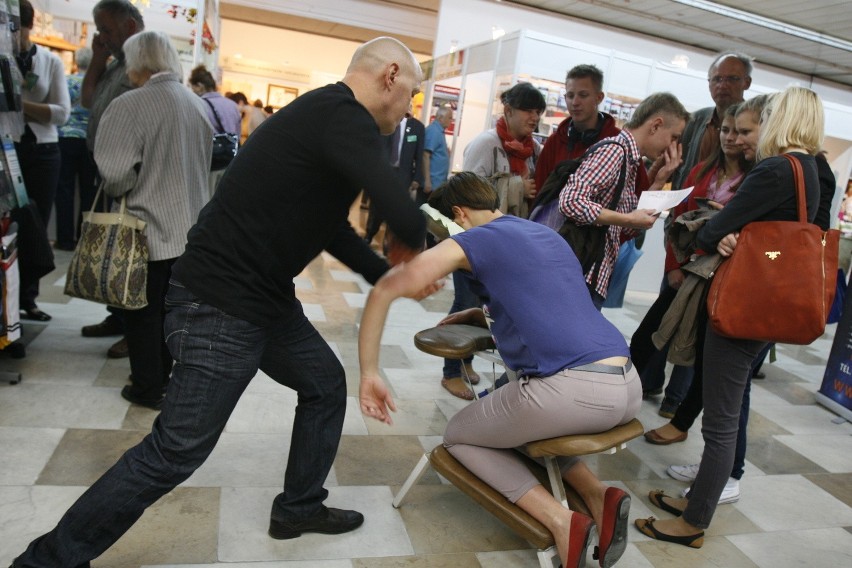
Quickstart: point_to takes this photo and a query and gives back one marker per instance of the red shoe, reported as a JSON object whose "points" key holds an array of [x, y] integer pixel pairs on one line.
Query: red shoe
{"points": [[613, 533], [578, 542]]}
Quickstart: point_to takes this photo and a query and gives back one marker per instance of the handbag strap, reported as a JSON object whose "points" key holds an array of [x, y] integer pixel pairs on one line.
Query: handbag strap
{"points": [[122, 206], [216, 115], [799, 180]]}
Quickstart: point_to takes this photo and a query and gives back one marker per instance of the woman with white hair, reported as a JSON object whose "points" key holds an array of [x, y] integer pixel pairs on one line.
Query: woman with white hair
{"points": [[154, 147]]}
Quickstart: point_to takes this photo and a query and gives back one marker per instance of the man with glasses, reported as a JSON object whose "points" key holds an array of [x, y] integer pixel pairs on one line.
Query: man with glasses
{"points": [[728, 78]]}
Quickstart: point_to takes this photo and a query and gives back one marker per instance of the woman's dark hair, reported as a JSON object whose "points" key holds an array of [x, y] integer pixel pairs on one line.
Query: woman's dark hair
{"points": [[524, 96], [201, 76], [238, 97], [719, 158], [27, 14], [465, 189]]}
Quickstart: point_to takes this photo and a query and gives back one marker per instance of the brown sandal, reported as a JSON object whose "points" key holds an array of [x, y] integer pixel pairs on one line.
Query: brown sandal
{"points": [[457, 387]]}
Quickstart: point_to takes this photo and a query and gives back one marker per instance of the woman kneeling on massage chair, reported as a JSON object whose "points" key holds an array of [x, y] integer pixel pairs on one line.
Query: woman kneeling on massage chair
{"points": [[575, 375]]}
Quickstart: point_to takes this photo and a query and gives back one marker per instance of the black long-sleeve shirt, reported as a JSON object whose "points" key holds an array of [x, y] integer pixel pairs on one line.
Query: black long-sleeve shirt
{"points": [[766, 194], [285, 198]]}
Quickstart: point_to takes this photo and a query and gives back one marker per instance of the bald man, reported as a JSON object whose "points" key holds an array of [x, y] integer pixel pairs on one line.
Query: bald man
{"points": [[232, 309]]}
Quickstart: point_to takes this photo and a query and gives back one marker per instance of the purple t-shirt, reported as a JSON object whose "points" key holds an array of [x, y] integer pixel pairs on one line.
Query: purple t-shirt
{"points": [[228, 111], [544, 319]]}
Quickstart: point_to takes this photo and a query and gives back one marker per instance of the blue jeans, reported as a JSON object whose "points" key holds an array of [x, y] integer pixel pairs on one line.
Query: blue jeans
{"points": [[216, 355], [463, 299]]}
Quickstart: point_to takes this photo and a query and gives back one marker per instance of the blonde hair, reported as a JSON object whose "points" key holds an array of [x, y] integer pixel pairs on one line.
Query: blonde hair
{"points": [[794, 118]]}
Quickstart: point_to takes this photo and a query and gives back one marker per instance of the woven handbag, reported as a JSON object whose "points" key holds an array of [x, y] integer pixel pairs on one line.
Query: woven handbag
{"points": [[110, 262], [779, 283]]}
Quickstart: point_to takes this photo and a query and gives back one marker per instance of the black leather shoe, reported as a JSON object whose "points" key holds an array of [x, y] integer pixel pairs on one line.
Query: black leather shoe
{"points": [[127, 394], [110, 326], [326, 521]]}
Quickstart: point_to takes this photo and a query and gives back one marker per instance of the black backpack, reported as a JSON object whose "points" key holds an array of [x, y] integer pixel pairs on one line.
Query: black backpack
{"points": [[587, 241]]}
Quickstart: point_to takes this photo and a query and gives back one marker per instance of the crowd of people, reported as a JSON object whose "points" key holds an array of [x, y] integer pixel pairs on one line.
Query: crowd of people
{"points": [[226, 244]]}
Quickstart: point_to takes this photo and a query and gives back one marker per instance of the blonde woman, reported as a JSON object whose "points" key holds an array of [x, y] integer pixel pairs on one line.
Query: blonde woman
{"points": [[792, 123]]}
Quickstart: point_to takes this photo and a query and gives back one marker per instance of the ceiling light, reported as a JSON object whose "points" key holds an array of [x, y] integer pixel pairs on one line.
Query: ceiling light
{"points": [[768, 23]]}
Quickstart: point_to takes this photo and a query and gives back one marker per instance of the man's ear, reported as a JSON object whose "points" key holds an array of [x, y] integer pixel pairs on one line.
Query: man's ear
{"points": [[391, 74], [656, 123]]}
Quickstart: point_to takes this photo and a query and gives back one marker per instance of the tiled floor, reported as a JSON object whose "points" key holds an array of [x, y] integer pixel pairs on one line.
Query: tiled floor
{"points": [[66, 423]]}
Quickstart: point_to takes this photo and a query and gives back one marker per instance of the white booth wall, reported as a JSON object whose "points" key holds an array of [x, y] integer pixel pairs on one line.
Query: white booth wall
{"points": [[634, 66]]}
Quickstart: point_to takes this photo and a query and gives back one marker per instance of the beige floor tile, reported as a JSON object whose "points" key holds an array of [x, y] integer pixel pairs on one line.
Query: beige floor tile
{"points": [[774, 457], [839, 485], [378, 460], [441, 519], [82, 456], [508, 559], [467, 560], [180, 528]]}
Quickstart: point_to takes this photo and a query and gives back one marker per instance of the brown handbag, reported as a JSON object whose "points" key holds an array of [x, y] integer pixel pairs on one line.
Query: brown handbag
{"points": [[779, 283]]}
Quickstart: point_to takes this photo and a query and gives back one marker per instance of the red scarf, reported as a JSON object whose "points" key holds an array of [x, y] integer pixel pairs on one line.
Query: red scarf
{"points": [[517, 150]]}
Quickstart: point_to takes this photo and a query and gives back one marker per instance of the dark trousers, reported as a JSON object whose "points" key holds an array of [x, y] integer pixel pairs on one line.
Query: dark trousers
{"points": [[150, 360], [728, 365], [651, 362], [40, 165], [463, 299], [77, 167], [216, 355]]}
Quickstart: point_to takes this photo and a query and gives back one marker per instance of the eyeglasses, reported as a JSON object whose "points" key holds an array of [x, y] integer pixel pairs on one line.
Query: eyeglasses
{"points": [[730, 79]]}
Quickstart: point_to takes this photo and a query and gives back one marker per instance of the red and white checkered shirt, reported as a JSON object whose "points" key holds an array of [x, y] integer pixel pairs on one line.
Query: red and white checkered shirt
{"points": [[592, 187]]}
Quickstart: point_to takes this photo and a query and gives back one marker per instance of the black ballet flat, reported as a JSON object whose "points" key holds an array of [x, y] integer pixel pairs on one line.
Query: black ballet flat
{"points": [[646, 527], [656, 499], [35, 314]]}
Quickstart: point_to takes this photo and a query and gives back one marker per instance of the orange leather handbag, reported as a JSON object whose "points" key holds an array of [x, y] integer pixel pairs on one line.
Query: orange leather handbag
{"points": [[779, 283]]}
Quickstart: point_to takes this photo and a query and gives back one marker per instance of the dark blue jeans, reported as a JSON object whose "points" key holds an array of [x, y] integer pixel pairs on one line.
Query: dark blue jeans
{"points": [[77, 167], [216, 356], [463, 299]]}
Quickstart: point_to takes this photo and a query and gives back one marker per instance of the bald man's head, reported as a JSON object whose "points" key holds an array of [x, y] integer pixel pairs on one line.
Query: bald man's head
{"points": [[379, 52], [384, 75]]}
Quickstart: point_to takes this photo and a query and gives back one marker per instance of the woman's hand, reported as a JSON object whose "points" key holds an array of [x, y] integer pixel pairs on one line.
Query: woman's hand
{"points": [[530, 190], [675, 278], [470, 316], [376, 401], [728, 243]]}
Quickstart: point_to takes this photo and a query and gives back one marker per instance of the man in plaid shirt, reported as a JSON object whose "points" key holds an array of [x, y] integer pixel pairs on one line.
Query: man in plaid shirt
{"points": [[653, 132]]}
